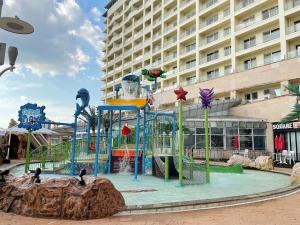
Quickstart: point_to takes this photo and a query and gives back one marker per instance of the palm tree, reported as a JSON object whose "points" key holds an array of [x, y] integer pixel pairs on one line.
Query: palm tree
{"points": [[295, 114], [93, 117]]}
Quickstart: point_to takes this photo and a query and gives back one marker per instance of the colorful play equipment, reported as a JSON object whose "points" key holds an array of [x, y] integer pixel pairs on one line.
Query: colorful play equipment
{"points": [[129, 135]]}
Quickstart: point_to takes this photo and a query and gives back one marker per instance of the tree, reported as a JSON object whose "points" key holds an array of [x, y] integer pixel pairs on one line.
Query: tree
{"points": [[93, 119], [295, 114], [12, 123]]}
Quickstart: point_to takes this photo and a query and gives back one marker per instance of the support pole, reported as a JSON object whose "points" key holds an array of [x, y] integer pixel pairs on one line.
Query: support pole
{"points": [[166, 168], [206, 145], [72, 168], [137, 131], [88, 140], [8, 149], [96, 165], [180, 143], [120, 124], [144, 143], [28, 152], [110, 140]]}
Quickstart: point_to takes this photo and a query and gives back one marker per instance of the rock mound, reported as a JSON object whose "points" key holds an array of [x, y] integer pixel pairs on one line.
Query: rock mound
{"points": [[261, 162], [60, 198], [295, 176]]}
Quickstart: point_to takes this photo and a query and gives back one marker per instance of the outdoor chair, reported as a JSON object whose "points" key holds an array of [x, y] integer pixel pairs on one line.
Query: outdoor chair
{"points": [[245, 153], [284, 155]]}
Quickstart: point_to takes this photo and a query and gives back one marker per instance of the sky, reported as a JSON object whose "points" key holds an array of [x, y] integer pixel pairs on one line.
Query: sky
{"points": [[60, 57]]}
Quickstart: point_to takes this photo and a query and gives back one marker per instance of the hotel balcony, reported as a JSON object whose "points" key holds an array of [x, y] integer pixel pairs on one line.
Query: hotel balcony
{"points": [[170, 58], [194, 80], [187, 34], [170, 13], [206, 44], [157, 63], [216, 59], [291, 7], [138, 34], [207, 26], [293, 54], [293, 32], [170, 28], [242, 28], [171, 74], [186, 3], [187, 52], [243, 49], [157, 8], [168, 2], [246, 6], [211, 5], [187, 18], [170, 44], [187, 68]]}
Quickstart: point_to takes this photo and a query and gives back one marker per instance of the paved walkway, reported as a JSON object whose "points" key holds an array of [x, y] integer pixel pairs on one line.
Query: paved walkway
{"points": [[275, 212], [12, 163]]}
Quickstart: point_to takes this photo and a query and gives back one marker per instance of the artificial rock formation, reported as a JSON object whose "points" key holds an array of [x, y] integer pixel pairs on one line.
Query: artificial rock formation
{"points": [[261, 162], [61, 198], [295, 176]]}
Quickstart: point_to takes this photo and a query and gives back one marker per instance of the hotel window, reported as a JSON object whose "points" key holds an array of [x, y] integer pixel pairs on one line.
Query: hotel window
{"points": [[247, 2], [212, 19], [212, 56], [250, 63], [227, 69], [251, 96], [212, 37], [271, 35], [227, 50], [297, 50], [211, 2], [269, 12], [212, 74], [226, 12], [296, 3], [190, 47], [297, 25], [247, 22], [226, 31], [250, 42], [272, 57], [191, 63]]}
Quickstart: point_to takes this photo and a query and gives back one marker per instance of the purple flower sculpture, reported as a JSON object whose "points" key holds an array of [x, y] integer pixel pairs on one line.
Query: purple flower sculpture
{"points": [[206, 96]]}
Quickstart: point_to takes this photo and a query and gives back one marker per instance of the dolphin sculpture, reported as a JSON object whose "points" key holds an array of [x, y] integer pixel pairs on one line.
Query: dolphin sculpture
{"points": [[84, 95]]}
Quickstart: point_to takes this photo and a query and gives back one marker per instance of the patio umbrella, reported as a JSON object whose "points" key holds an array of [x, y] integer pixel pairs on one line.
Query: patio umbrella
{"points": [[236, 142]]}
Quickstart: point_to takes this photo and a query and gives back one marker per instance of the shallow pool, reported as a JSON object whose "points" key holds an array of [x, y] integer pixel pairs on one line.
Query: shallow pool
{"points": [[152, 190]]}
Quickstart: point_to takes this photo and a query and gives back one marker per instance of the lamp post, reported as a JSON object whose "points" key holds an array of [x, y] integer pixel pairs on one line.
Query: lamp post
{"points": [[13, 25]]}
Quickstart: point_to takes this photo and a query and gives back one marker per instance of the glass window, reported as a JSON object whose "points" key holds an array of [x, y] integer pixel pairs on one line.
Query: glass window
{"points": [[245, 142], [215, 130], [212, 56], [217, 141], [245, 131], [250, 42], [228, 69], [189, 141], [259, 142], [250, 63], [200, 130], [259, 131], [226, 31], [231, 131], [212, 74], [200, 141], [230, 142], [227, 50]]}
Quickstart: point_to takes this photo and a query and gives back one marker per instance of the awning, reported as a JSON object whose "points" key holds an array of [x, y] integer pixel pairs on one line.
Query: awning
{"points": [[17, 130]]}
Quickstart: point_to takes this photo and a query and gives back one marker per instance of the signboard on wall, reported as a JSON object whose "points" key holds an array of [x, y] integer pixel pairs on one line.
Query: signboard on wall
{"points": [[286, 126], [31, 117]]}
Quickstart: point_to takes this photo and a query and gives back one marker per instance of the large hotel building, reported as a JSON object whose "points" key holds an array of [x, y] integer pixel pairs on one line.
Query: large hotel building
{"points": [[247, 50]]}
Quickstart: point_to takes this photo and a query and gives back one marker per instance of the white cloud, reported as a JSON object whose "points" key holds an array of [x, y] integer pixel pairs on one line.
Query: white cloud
{"points": [[24, 98], [60, 26], [96, 14]]}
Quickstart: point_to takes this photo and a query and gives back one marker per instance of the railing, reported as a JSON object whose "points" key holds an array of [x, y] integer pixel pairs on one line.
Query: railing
{"points": [[194, 80], [156, 35], [128, 52], [156, 49], [256, 44], [187, 50], [170, 57], [170, 87], [293, 54], [292, 4], [170, 12], [206, 59], [220, 17], [187, 66], [185, 2], [187, 17], [208, 4], [157, 63], [167, 1], [128, 40], [138, 33], [188, 33], [293, 29], [170, 27], [254, 22], [220, 37], [156, 8], [171, 42], [156, 22], [244, 4]]}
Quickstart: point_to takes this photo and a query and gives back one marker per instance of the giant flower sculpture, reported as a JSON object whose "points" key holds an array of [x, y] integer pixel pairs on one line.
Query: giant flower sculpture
{"points": [[153, 74], [206, 96], [181, 93]]}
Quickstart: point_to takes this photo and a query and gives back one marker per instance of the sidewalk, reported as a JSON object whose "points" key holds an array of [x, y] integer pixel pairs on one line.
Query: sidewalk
{"points": [[12, 163]]}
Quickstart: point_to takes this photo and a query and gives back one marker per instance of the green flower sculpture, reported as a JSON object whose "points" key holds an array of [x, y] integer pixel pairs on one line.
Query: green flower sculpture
{"points": [[153, 74]]}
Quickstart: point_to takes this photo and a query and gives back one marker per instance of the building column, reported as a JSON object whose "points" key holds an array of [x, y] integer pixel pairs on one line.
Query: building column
{"points": [[233, 94], [232, 35], [269, 138], [282, 25], [283, 86]]}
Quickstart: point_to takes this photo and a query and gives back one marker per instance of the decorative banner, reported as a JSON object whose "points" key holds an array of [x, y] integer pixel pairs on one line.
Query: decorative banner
{"points": [[31, 117]]}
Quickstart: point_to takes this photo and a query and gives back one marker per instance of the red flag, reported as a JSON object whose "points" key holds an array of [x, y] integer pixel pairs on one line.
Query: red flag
{"points": [[236, 142]]}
